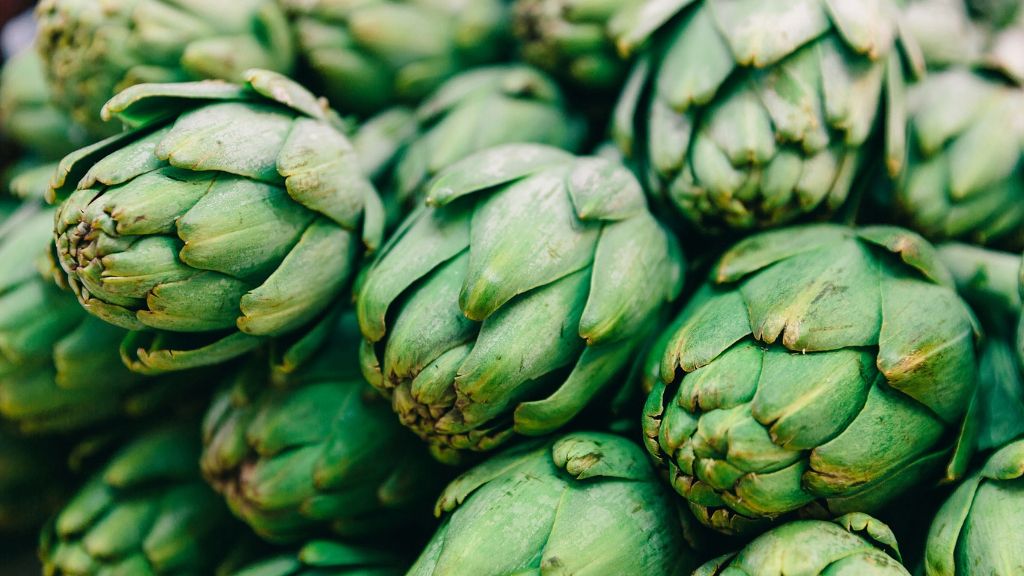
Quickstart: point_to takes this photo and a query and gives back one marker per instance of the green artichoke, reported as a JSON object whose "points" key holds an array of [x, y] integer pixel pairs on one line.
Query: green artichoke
{"points": [[94, 49], [146, 512], [231, 214], [585, 503], [855, 545], [370, 54], [821, 370], [571, 39], [480, 109], [326, 558], [321, 452], [754, 114], [516, 298], [27, 113], [29, 487], [976, 532]]}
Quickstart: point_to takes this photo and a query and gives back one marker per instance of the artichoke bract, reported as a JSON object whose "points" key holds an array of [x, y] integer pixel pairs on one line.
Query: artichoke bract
{"points": [[326, 558], [571, 39], [739, 126], [516, 298], [319, 451], [147, 511], [583, 503], [480, 109], [60, 368], [30, 490], [974, 532], [230, 214], [94, 49], [854, 544], [367, 55], [821, 370]]}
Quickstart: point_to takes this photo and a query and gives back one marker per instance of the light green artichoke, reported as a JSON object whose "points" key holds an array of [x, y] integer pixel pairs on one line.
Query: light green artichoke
{"points": [[480, 109], [821, 370], [94, 49], [585, 503], [320, 452], [370, 54], [748, 115], [231, 214], [571, 39], [854, 545], [146, 512], [516, 298], [27, 114], [976, 532], [326, 558], [30, 487]]}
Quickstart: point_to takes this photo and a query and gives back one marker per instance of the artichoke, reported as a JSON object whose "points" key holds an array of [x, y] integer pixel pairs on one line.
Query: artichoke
{"points": [[480, 109], [321, 452], [27, 114], [230, 214], [854, 544], [975, 532], [755, 114], [585, 503], [516, 298], [821, 370], [571, 39], [29, 486], [94, 49], [369, 54], [147, 511], [326, 558]]}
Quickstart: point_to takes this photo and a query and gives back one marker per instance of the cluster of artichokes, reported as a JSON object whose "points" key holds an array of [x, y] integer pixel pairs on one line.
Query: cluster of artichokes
{"points": [[510, 287]]}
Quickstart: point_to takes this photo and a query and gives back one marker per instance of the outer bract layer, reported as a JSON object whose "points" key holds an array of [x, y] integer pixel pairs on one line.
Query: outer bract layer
{"points": [[146, 512], [585, 503], [370, 54], [94, 49], [516, 298], [975, 533], [821, 370], [320, 451], [230, 214], [852, 545], [742, 126]]}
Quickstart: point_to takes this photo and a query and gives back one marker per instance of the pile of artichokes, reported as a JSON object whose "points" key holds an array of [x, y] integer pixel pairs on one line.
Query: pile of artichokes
{"points": [[512, 287]]}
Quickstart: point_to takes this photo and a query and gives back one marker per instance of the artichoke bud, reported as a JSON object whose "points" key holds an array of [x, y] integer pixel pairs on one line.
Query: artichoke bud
{"points": [[228, 215], [92, 50], [147, 511], [820, 370], [517, 298], [326, 557], [741, 133], [299, 452], [585, 501], [852, 544]]}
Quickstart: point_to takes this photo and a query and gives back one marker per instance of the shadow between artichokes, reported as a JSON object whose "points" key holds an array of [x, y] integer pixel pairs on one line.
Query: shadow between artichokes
{"points": [[227, 215], [821, 370], [515, 298]]}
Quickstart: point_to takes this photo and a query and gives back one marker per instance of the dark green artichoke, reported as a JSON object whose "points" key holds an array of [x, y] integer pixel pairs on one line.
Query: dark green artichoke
{"points": [[230, 214], [319, 451], [326, 558], [976, 532], [740, 126], [480, 109], [94, 49], [585, 503], [571, 39], [821, 370], [146, 512], [370, 54], [30, 488], [516, 298], [854, 545]]}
